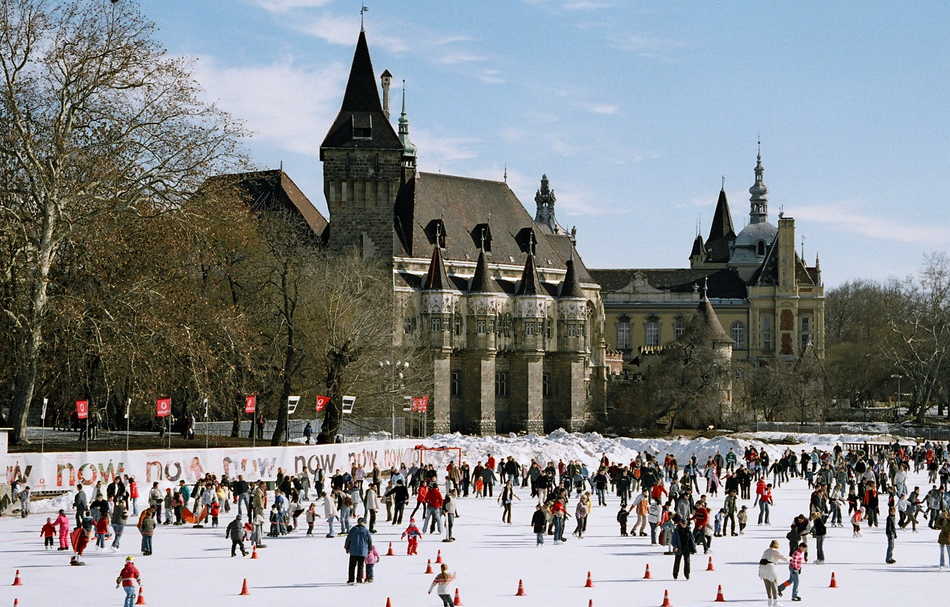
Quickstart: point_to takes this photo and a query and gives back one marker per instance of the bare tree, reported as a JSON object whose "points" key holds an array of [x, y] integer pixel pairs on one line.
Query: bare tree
{"points": [[95, 118]]}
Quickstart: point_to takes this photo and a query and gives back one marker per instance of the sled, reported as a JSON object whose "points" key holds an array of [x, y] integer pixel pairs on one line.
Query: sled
{"points": [[74, 538], [188, 516], [203, 516]]}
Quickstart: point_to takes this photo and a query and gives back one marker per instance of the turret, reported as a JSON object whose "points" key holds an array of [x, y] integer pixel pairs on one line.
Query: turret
{"points": [[439, 300], [385, 80], [571, 312], [721, 232], [482, 305], [530, 307], [758, 200]]}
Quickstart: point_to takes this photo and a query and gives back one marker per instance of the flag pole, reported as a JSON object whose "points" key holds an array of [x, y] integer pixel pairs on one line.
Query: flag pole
{"points": [[128, 404], [43, 432]]}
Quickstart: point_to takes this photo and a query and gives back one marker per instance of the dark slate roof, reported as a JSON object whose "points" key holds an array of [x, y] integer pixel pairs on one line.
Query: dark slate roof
{"points": [[436, 277], [361, 107], [464, 203], [569, 287], [767, 272], [530, 283], [723, 283], [709, 322], [271, 190], [721, 233], [482, 282], [697, 246]]}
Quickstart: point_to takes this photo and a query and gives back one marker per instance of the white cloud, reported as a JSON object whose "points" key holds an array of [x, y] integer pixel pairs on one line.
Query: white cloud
{"points": [[441, 152], [606, 109], [646, 46], [282, 6], [284, 105], [584, 5], [344, 30], [848, 217], [460, 57], [491, 76], [451, 40]]}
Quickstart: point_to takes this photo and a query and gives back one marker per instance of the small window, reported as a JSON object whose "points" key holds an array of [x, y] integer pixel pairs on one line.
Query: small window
{"points": [[623, 333], [679, 326], [653, 332], [546, 388], [760, 248], [456, 383], [362, 126], [502, 389], [738, 334], [481, 326], [458, 324]]}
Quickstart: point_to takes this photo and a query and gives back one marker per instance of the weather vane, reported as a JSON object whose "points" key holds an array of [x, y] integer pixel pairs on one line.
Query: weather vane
{"points": [[363, 10]]}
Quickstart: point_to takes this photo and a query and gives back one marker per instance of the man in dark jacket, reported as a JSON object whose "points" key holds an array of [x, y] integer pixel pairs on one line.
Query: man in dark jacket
{"points": [[684, 544], [357, 545], [539, 523], [235, 531], [890, 531], [399, 495]]}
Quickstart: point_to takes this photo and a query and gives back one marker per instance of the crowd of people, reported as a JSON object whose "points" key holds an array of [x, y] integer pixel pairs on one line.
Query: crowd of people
{"points": [[666, 500]]}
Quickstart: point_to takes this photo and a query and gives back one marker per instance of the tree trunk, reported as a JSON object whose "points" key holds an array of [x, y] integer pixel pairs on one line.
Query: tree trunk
{"points": [[332, 416]]}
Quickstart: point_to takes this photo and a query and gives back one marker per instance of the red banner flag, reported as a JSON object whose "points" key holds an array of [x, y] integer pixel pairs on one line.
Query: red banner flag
{"points": [[163, 407], [420, 404], [250, 403], [322, 402], [82, 409]]}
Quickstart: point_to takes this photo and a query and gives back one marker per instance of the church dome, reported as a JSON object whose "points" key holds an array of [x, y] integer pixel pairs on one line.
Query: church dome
{"points": [[754, 232]]}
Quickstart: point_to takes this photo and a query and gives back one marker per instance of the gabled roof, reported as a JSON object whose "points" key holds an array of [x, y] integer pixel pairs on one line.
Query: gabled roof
{"points": [[721, 233], [463, 204], [271, 190], [767, 272], [436, 278], [481, 282], [361, 107], [530, 283], [722, 284]]}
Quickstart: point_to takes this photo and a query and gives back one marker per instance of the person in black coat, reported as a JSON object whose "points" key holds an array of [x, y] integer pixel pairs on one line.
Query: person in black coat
{"points": [[539, 523], [400, 496], [684, 544]]}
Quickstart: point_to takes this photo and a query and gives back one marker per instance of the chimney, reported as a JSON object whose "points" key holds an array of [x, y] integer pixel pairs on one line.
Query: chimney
{"points": [[386, 78], [786, 252]]}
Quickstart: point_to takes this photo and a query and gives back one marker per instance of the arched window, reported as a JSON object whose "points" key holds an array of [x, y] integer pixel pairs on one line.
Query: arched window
{"points": [[760, 248], [738, 334]]}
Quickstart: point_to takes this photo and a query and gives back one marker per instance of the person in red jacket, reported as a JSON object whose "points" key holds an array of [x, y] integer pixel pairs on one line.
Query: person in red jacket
{"points": [[62, 521], [47, 533], [128, 578], [102, 531], [420, 500], [134, 494], [433, 509]]}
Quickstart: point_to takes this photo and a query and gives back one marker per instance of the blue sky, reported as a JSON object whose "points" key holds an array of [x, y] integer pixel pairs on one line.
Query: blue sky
{"points": [[634, 109]]}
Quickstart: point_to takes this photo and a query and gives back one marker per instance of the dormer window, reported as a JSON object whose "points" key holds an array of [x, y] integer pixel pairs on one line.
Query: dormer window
{"points": [[760, 248], [362, 126]]}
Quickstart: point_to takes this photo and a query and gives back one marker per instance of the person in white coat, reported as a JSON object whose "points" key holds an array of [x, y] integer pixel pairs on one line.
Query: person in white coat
{"points": [[767, 573], [330, 511], [371, 502]]}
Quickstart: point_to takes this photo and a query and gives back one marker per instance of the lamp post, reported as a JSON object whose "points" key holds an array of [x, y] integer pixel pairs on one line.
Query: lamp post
{"points": [[396, 369], [898, 377]]}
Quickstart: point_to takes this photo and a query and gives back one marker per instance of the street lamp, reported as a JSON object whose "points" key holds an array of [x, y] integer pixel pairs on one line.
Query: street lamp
{"points": [[396, 369]]}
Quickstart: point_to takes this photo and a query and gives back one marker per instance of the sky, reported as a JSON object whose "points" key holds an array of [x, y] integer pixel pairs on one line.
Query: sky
{"points": [[635, 110]]}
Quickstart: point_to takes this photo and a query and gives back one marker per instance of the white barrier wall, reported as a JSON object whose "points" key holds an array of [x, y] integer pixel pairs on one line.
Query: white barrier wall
{"points": [[55, 471]]}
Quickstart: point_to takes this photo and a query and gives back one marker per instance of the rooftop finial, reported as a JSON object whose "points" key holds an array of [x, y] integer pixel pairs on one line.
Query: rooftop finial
{"points": [[723, 186], [363, 10], [403, 96], [505, 176]]}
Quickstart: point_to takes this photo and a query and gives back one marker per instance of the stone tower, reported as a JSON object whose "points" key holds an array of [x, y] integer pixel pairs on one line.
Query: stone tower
{"points": [[362, 165]]}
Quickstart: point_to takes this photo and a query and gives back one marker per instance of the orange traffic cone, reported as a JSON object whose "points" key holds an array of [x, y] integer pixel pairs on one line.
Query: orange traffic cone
{"points": [[438, 557], [141, 599], [390, 551], [709, 566], [254, 553], [388, 602], [834, 582], [521, 591], [429, 566], [16, 579], [646, 574], [589, 583], [244, 589], [719, 596], [666, 599], [458, 598]]}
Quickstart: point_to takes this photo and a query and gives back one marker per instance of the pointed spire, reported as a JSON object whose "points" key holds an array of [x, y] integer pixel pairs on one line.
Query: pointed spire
{"points": [[361, 94], [721, 233], [708, 321], [570, 287], [482, 282], [409, 149], [759, 201], [437, 279], [530, 283], [697, 247], [545, 199]]}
